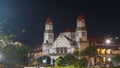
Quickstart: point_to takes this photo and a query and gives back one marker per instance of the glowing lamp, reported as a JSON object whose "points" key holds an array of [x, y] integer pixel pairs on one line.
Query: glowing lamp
{"points": [[108, 41], [109, 59], [44, 60]]}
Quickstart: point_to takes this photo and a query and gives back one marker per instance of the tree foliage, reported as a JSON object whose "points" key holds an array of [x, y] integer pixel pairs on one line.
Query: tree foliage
{"points": [[76, 53], [59, 61], [68, 59], [39, 60], [16, 55], [116, 58], [90, 51], [13, 52], [83, 62]]}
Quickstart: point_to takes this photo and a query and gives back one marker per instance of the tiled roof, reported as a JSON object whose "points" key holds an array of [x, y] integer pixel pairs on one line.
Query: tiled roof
{"points": [[69, 29], [48, 20], [81, 16]]}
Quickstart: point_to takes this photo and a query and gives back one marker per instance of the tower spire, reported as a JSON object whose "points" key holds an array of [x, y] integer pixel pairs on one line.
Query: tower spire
{"points": [[81, 33], [48, 34], [48, 20], [80, 17]]}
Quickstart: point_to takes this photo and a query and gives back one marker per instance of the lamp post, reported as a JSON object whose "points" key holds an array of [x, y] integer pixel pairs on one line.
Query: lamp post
{"points": [[44, 61], [107, 41], [52, 63]]}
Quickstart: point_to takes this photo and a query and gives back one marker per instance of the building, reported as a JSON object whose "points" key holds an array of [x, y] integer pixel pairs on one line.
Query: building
{"points": [[106, 47], [69, 41], [66, 42]]}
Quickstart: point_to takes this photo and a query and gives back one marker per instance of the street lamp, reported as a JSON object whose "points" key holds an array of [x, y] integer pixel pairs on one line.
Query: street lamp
{"points": [[109, 59], [108, 41], [44, 61]]}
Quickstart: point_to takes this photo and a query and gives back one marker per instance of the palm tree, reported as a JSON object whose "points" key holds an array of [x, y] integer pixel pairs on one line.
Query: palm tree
{"points": [[89, 52]]}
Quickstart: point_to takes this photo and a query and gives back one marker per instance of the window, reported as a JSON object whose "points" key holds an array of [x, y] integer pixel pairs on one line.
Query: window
{"points": [[108, 51], [83, 33], [103, 51], [50, 36], [61, 50], [57, 50], [98, 50], [72, 36], [65, 50]]}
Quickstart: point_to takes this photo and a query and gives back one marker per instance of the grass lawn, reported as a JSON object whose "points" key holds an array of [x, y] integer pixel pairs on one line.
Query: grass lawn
{"points": [[112, 67], [82, 67], [63, 67], [66, 67]]}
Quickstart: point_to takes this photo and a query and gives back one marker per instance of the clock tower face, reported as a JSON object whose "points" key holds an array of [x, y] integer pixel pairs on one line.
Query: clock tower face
{"points": [[79, 24]]}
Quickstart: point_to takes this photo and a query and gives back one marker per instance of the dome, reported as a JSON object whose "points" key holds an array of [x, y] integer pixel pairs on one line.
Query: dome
{"points": [[68, 29], [48, 20], [81, 16]]}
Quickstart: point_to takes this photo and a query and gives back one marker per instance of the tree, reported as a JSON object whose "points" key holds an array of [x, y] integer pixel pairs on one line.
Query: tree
{"points": [[116, 58], [21, 54], [16, 54], [13, 52], [83, 62], [39, 60], [59, 61], [76, 53], [69, 59], [90, 52]]}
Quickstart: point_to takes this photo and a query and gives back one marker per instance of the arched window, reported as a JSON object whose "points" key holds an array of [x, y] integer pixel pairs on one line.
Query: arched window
{"points": [[57, 50], [65, 50]]}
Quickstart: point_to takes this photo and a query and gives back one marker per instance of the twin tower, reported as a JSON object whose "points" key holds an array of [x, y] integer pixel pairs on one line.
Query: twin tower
{"points": [[79, 38]]}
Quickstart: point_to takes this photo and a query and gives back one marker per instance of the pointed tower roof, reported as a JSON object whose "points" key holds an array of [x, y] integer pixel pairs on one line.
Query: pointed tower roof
{"points": [[48, 20], [68, 29], [81, 16]]}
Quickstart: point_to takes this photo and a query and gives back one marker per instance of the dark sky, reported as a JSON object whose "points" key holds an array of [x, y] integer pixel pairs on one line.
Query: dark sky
{"points": [[26, 18]]}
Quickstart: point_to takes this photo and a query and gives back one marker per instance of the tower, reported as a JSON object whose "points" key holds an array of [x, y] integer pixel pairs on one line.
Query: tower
{"points": [[48, 36], [81, 33]]}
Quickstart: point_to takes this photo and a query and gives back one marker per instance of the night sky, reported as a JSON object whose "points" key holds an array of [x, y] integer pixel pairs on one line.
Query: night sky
{"points": [[26, 18]]}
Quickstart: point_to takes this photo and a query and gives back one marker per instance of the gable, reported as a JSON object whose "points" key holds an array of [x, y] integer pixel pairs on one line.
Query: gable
{"points": [[62, 41]]}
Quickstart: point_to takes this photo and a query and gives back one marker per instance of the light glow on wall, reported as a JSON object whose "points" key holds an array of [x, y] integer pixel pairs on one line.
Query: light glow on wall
{"points": [[103, 51]]}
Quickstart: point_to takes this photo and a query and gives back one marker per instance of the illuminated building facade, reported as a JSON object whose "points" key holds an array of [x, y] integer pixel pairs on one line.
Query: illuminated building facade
{"points": [[66, 42], [105, 48]]}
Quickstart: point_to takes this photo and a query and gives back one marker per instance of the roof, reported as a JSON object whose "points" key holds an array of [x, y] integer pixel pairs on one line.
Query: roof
{"points": [[99, 41], [83, 28], [48, 20], [81, 16], [69, 29], [96, 38]]}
